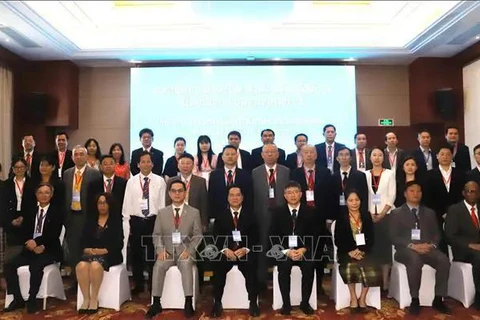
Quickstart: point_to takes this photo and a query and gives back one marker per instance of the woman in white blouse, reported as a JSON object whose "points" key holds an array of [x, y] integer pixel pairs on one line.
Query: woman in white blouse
{"points": [[381, 196]]}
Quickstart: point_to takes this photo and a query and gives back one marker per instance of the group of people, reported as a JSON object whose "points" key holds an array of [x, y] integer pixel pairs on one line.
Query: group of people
{"points": [[246, 209]]}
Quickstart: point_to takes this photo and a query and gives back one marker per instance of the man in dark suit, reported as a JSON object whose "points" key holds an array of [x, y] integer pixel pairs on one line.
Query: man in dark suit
{"points": [[416, 235], [235, 233], [62, 155], [294, 159], [42, 227], [474, 174], [110, 183], [462, 231], [224, 176], [461, 153], [31, 156], [360, 155], [146, 137], [244, 160], [327, 151], [392, 156], [425, 157], [268, 137], [292, 238]]}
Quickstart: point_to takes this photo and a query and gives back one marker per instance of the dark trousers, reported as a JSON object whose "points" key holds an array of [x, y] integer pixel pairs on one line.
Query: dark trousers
{"points": [[141, 246], [284, 270], [248, 267], [414, 263], [473, 257], [36, 263]]}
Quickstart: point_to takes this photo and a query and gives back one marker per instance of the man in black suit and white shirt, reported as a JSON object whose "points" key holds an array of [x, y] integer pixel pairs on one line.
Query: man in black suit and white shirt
{"points": [[461, 153], [327, 151], [146, 137], [294, 159], [475, 173], [62, 155], [360, 155], [268, 137], [392, 156], [425, 157], [31, 156], [244, 160]]}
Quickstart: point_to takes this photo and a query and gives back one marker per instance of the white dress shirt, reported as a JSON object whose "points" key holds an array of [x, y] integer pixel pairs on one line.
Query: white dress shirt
{"points": [[238, 218], [19, 187], [357, 156], [291, 214], [428, 159], [226, 174], [45, 210], [447, 176], [179, 211], [394, 156], [105, 182], [274, 170], [469, 207], [347, 171]]}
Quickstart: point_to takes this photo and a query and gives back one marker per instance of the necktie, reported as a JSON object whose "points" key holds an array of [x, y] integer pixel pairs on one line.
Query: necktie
{"points": [[294, 219], [415, 212], [109, 185], [177, 218], [76, 204], [28, 158], [426, 155], [311, 181], [329, 155], [40, 221], [344, 180], [474, 217], [271, 178], [235, 219], [229, 178], [361, 159], [146, 195]]}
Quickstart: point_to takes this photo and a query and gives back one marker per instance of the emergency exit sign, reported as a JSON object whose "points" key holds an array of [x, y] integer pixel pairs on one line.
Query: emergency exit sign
{"points": [[385, 122]]}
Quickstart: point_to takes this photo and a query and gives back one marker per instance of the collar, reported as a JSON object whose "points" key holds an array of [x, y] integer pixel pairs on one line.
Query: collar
{"points": [[290, 208], [105, 178], [82, 170], [180, 207], [331, 144], [233, 169], [149, 149], [388, 151], [268, 168], [306, 169], [416, 207], [423, 150], [347, 171], [149, 176], [25, 152], [449, 171], [469, 207], [239, 211], [45, 209], [188, 178], [358, 150], [478, 167], [15, 179]]}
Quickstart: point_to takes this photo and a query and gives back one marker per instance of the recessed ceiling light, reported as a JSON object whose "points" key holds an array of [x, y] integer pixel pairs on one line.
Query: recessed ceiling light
{"points": [[135, 61], [250, 58], [350, 59], [477, 37], [205, 60], [6, 39], [279, 59]]}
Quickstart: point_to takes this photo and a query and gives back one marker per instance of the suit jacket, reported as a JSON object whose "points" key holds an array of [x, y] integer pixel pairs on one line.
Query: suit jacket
{"points": [[387, 190], [246, 161], [366, 155], [291, 162], [460, 231], [401, 154], [420, 160], [462, 158], [223, 227], [157, 157], [435, 193], [89, 175], [217, 190], [197, 196], [97, 186], [282, 227], [402, 221], [171, 167], [34, 170], [52, 227], [356, 180], [257, 159], [474, 175], [190, 229], [67, 162], [322, 159]]}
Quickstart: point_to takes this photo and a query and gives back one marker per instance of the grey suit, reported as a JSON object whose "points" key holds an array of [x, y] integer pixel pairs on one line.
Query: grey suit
{"points": [[75, 221], [262, 210], [402, 221], [190, 229]]}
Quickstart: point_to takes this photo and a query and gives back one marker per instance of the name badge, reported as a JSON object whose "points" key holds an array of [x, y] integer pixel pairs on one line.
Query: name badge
{"points": [[271, 193], [237, 236], [60, 173], [415, 234], [205, 175], [76, 196], [360, 239], [176, 238], [36, 235], [342, 200], [376, 199], [292, 241], [310, 195], [143, 204], [453, 164]]}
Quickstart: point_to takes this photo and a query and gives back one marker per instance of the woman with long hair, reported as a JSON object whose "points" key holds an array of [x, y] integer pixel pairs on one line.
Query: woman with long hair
{"points": [[408, 171], [47, 174], [205, 161], [122, 167], [171, 166], [93, 153]]}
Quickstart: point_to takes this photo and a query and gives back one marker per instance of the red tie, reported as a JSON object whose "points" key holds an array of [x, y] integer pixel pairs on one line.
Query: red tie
{"points": [[474, 217], [361, 159]]}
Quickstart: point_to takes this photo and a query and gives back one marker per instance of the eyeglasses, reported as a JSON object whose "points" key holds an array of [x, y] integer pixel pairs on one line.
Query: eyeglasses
{"points": [[290, 192], [177, 191]]}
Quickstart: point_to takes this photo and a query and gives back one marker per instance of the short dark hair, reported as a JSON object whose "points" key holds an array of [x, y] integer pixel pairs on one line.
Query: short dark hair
{"points": [[186, 155], [265, 130], [328, 125], [145, 130], [388, 133], [412, 183], [44, 184], [300, 135], [174, 181], [343, 148], [476, 148], [234, 133], [445, 146], [122, 157], [232, 186], [145, 153], [293, 184], [60, 133], [376, 148], [28, 135], [106, 156], [48, 159], [19, 159], [422, 131], [178, 139], [450, 127], [229, 147], [357, 134], [350, 192]]}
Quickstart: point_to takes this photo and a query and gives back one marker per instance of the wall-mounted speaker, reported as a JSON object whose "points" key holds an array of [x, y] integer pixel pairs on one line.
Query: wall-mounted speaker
{"points": [[445, 103]]}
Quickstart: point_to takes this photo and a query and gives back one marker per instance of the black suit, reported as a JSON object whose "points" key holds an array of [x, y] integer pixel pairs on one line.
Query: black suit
{"points": [[462, 158], [366, 158], [257, 159], [171, 167], [322, 157], [399, 157], [222, 232], [217, 190], [246, 161], [474, 175], [157, 158], [67, 162], [357, 181], [118, 192], [291, 162], [52, 227], [282, 227], [34, 171], [421, 161]]}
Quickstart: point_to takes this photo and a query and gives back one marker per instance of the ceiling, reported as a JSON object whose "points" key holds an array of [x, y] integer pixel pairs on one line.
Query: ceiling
{"points": [[108, 33]]}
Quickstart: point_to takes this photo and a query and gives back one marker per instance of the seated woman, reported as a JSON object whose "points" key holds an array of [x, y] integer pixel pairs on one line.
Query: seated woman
{"points": [[354, 238], [102, 243]]}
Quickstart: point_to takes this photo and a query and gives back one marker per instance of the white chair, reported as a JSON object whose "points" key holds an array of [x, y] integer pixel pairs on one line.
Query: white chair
{"points": [[235, 295], [51, 286], [460, 281], [172, 295], [340, 292], [295, 289], [400, 290], [115, 287]]}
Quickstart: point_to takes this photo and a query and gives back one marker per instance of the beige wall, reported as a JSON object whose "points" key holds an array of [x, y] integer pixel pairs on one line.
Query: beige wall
{"points": [[382, 92]]}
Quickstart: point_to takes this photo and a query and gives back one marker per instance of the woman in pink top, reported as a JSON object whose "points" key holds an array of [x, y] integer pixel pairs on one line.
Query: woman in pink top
{"points": [[205, 161], [122, 168]]}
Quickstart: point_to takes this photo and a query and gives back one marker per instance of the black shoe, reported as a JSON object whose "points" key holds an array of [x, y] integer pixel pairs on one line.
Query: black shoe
{"points": [[32, 306], [286, 310], [306, 308], [188, 310], [154, 309], [254, 310], [15, 305], [414, 308], [217, 310], [440, 306]]}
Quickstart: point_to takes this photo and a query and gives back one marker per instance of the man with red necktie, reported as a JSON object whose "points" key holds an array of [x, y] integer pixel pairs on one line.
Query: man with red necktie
{"points": [[327, 151]]}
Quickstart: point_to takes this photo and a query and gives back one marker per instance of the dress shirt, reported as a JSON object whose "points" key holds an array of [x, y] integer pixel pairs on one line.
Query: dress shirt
{"points": [[233, 174], [147, 149], [447, 176], [274, 170], [291, 214], [105, 182], [347, 171], [19, 191], [187, 179], [179, 211], [389, 155], [45, 210], [299, 159], [469, 207], [428, 160], [357, 155], [238, 217]]}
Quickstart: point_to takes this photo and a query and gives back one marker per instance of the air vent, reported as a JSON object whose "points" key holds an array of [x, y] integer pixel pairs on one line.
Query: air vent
{"points": [[466, 36], [18, 37]]}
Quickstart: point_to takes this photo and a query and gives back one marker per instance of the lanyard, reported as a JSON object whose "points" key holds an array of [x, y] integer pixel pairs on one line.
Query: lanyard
{"points": [[176, 220], [20, 190], [271, 177], [447, 181], [357, 222], [392, 162], [375, 183], [78, 180], [427, 158], [142, 186], [234, 172], [310, 177], [106, 184], [61, 158], [205, 164]]}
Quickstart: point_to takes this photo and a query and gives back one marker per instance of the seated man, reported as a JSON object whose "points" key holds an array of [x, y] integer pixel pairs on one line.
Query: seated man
{"points": [[292, 237], [415, 234], [235, 232], [462, 232], [42, 228], [176, 235]]}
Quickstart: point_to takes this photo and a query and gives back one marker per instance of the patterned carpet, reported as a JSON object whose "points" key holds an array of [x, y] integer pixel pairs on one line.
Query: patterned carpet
{"points": [[135, 310]]}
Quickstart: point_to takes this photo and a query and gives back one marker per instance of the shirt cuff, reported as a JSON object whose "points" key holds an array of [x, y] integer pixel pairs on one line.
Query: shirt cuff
{"points": [[285, 251]]}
